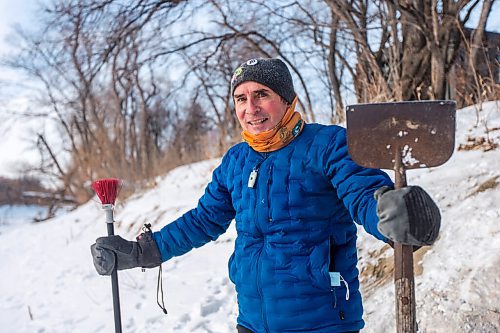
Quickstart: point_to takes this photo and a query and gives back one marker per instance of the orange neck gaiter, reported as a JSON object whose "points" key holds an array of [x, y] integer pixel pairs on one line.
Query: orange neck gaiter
{"points": [[280, 135]]}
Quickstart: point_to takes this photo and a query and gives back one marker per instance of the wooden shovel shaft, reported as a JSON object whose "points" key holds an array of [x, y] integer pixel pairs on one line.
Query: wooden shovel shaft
{"points": [[403, 268]]}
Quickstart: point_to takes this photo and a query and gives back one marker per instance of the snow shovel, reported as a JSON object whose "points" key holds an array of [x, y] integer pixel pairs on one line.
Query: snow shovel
{"points": [[402, 136]]}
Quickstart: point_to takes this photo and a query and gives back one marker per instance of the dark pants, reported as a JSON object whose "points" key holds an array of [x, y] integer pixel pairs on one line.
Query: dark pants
{"points": [[242, 329]]}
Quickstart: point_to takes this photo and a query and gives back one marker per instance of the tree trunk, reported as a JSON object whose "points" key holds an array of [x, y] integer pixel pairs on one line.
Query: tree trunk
{"points": [[332, 71], [477, 35]]}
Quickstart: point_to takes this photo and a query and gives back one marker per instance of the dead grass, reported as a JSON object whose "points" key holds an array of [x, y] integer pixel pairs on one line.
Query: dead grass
{"points": [[489, 184], [374, 276], [478, 143]]}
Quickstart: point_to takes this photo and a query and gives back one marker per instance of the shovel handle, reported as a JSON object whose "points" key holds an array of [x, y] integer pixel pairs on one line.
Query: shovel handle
{"points": [[403, 269]]}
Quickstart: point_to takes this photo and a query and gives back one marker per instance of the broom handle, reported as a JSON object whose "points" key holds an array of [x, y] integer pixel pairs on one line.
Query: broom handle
{"points": [[403, 269], [114, 277]]}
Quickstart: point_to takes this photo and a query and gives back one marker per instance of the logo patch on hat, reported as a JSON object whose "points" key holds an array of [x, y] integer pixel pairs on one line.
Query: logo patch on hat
{"points": [[237, 73], [252, 62]]}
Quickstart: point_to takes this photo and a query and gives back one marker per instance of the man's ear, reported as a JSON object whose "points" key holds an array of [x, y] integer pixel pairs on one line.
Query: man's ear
{"points": [[284, 101]]}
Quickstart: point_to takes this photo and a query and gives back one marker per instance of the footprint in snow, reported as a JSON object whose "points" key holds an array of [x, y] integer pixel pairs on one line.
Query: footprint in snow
{"points": [[210, 306], [183, 320]]}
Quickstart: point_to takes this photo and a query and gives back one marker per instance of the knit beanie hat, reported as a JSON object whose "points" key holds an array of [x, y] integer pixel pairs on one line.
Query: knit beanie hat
{"points": [[272, 73]]}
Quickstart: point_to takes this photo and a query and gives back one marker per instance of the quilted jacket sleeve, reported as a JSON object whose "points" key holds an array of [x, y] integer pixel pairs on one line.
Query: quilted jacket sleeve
{"points": [[205, 223], [354, 184]]}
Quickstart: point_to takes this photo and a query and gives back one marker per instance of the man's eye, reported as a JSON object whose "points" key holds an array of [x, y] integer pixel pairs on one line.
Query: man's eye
{"points": [[240, 99], [261, 94]]}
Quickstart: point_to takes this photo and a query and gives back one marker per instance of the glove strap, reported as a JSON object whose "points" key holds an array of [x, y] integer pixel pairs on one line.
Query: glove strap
{"points": [[159, 285], [159, 289]]}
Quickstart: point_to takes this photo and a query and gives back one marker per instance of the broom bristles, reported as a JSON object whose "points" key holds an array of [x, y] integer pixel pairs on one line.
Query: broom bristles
{"points": [[107, 189]]}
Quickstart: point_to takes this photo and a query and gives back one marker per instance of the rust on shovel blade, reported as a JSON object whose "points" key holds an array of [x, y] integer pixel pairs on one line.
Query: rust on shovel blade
{"points": [[422, 133]]}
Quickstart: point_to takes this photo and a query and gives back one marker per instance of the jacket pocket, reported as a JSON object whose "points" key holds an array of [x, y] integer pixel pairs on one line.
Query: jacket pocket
{"points": [[232, 269], [318, 266]]}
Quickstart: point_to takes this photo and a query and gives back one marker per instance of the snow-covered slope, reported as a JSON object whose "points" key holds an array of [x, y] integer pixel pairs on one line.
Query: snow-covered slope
{"points": [[48, 282]]}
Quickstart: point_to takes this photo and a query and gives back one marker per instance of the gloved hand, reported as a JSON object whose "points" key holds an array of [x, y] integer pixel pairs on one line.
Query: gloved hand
{"points": [[113, 251], [407, 215]]}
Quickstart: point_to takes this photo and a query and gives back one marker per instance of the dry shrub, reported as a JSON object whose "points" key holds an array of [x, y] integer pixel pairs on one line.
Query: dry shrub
{"points": [[478, 143]]}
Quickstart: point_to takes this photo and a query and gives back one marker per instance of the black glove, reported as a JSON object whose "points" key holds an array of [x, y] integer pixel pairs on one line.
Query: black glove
{"points": [[407, 215], [113, 251]]}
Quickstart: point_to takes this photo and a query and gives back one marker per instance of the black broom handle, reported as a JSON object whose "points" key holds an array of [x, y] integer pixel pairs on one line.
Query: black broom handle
{"points": [[114, 278]]}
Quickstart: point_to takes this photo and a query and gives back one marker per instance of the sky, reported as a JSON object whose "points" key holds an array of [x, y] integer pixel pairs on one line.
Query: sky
{"points": [[12, 12], [16, 145], [16, 135]]}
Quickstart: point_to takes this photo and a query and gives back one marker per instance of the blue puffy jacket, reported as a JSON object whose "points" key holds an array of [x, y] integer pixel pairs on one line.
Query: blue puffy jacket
{"points": [[294, 226]]}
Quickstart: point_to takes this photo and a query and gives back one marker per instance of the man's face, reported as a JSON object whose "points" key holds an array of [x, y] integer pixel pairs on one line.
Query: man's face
{"points": [[258, 108]]}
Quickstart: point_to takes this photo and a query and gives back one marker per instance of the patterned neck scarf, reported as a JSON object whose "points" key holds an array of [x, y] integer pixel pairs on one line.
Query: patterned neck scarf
{"points": [[280, 135]]}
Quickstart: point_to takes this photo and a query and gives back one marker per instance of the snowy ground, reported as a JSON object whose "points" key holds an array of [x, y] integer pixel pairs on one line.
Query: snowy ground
{"points": [[49, 283]]}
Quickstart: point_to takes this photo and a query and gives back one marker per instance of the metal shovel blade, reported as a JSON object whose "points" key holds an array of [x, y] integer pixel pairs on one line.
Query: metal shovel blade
{"points": [[422, 132]]}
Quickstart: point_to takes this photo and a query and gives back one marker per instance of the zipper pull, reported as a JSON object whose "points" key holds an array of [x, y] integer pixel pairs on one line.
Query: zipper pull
{"points": [[253, 178]]}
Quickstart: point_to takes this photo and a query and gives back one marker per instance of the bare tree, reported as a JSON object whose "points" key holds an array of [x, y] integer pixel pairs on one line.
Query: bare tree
{"points": [[130, 82], [416, 44], [101, 85]]}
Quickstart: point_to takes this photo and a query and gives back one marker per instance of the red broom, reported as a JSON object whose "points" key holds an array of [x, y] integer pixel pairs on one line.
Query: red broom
{"points": [[107, 190]]}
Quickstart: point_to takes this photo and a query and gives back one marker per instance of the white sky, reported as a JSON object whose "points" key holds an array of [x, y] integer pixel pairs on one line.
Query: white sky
{"points": [[14, 134], [12, 13]]}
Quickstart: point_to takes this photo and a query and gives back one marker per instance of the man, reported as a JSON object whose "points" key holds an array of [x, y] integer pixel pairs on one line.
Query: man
{"points": [[294, 193]]}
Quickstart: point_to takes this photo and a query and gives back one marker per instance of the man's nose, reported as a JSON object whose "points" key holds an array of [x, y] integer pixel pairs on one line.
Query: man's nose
{"points": [[252, 106]]}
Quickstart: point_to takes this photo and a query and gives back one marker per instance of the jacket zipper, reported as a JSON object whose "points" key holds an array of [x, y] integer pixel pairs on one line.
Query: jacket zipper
{"points": [[259, 288], [331, 267], [268, 204], [259, 262], [254, 173], [269, 184]]}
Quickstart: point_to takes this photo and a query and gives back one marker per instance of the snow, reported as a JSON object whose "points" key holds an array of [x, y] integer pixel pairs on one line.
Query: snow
{"points": [[49, 283]]}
